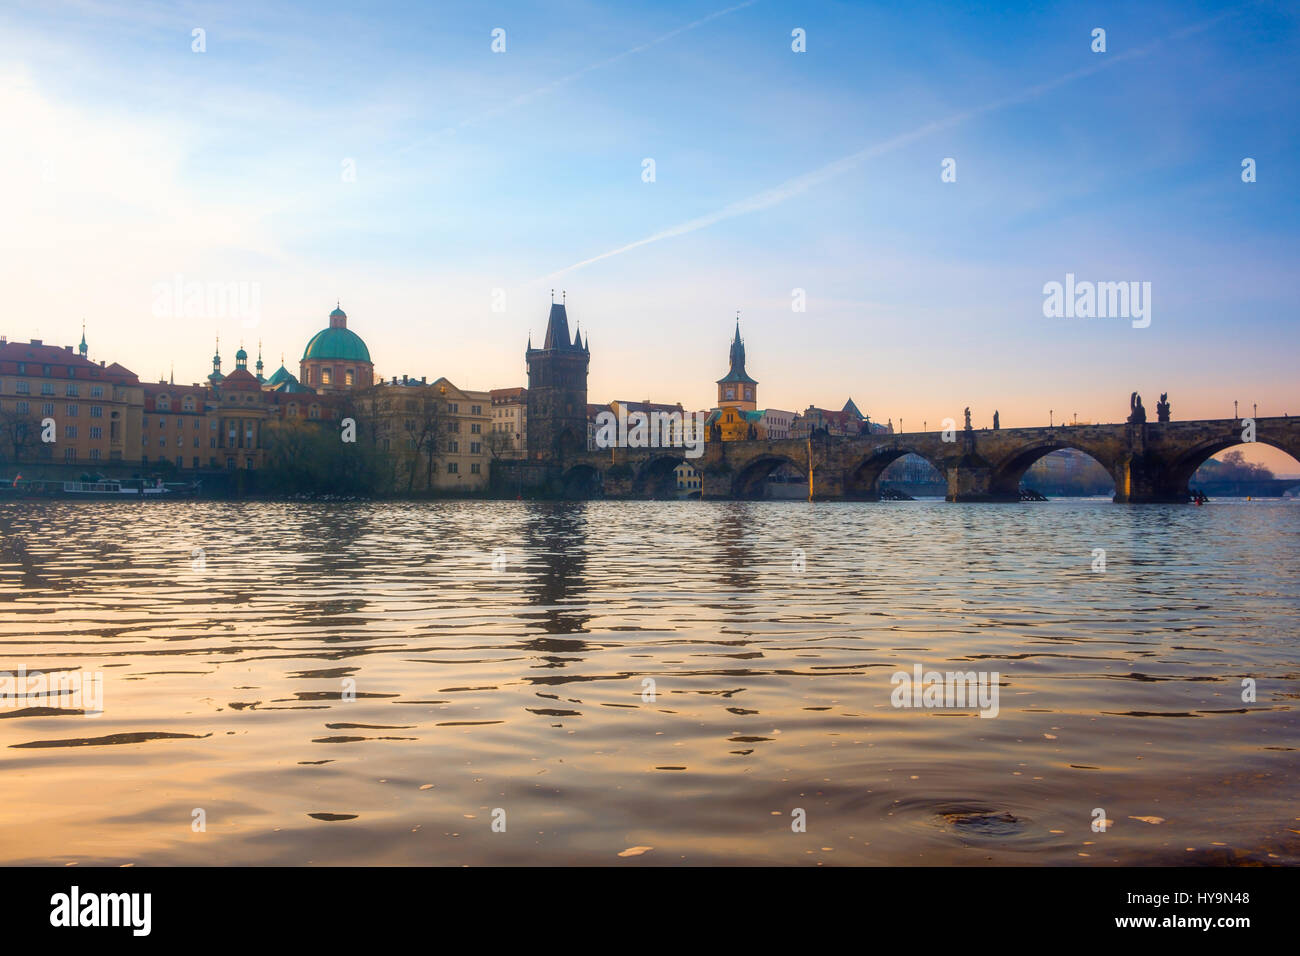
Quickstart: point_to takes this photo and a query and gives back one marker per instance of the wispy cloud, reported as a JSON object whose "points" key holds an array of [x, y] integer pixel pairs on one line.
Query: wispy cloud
{"points": [[556, 84], [802, 183]]}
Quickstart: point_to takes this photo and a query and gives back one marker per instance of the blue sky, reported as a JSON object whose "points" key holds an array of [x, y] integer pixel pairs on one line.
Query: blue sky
{"points": [[130, 159]]}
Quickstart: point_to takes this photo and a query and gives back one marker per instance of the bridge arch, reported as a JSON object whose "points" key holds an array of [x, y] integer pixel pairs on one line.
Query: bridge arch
{"points": [[1178, 475], [1004, 481], [656, 477], [750, 481], [862, 479], [581, 481]]}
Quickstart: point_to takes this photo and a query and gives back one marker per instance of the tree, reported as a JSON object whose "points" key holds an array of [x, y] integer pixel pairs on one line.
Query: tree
{"points": [[20, 434]]}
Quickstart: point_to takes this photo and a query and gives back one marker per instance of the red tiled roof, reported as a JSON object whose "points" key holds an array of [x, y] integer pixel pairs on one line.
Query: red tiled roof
{"points": [[60, 360]]}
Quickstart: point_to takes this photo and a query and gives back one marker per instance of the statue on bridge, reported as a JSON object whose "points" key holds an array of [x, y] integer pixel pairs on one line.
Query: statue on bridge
{"points": [[968, 428], [1137, 414], [995, 420], [1162, 408]]}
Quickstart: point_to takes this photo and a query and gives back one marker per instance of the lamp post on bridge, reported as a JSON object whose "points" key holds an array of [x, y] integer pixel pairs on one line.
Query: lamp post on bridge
{"points": [[1050, 422], [1234, 409]]}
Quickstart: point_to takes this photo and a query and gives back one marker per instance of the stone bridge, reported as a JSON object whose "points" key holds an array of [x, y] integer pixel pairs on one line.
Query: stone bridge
{"points": [[1150, 462]]}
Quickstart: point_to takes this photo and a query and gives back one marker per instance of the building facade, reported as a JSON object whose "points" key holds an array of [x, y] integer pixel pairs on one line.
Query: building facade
{"points": [[509, 421], [432, 435], [58, 406]]}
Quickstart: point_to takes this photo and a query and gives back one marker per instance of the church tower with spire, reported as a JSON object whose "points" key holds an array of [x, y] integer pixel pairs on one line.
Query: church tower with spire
{"points": [[736, 389], [557, 389]]}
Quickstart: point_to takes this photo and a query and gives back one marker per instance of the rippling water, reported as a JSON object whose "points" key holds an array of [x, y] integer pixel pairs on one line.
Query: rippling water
{"points": [[498, 653]]}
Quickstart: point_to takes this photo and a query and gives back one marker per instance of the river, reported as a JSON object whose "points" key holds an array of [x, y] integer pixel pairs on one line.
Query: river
{"points": [[676, 682]]}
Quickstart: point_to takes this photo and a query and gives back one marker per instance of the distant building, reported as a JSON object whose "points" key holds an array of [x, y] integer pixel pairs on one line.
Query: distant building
{"points": [[847, 422], [510, 418], [688, 479], [776, 423], [96, 408], [433, 434]]}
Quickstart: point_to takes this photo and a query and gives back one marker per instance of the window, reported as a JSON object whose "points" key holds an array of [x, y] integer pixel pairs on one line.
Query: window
{"points": [[474, 468], [475, 448], [97, 391], [476, 409], [180, 461], [731, 393], [475, 428], [162, 422], [69, 454], [453, 468], [453, 446], [45, 370], [292, 411], [230, 463], [313, 412], [71, 410], [69, 431], [22, 368], [94, 454], [47, 409], [21, 407], [454, 408], [196, 462], [326, 375], [96, 431], [188, 405], [22, 388], [96, 411], [348, 376], [455, 427], [164, 403], [72, 391], [47, 388], [162, 442]]}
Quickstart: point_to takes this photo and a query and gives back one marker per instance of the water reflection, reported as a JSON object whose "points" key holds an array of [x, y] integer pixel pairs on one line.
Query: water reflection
{"points": [[649, 682]]}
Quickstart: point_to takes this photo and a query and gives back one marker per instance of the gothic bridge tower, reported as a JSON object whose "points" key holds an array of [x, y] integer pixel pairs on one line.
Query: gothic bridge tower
{"points": [[557, 390]]}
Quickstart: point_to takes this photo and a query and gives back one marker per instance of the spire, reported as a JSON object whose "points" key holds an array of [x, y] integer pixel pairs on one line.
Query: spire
{"points": [[557, 328], [737, 373], [82, 347], [172, 377]]}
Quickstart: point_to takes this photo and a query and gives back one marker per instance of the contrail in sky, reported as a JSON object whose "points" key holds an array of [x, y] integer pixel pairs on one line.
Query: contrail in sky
{"points": [[531, 95], [800, 184]]}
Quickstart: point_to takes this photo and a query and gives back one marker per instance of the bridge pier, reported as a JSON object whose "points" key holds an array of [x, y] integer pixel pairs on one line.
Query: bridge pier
{"points": [[1142, 479], [972, 479]]}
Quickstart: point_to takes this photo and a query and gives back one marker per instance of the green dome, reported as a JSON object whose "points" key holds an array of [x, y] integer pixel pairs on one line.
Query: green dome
{"points": [[281, 374], [337, 343]]}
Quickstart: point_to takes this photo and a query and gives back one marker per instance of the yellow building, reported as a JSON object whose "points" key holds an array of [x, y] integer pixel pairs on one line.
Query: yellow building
{"points": [[434, 434], [58, 406], [737, 417]]}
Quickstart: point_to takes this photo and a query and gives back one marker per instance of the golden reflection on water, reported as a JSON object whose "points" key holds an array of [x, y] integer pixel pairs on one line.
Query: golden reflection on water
{"points": [[369, 683]]}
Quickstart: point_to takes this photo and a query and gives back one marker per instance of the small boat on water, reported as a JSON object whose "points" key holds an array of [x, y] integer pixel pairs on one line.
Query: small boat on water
{"points": [[99, 489]]}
